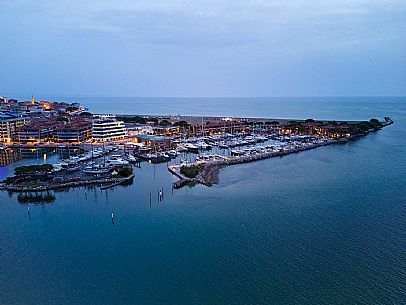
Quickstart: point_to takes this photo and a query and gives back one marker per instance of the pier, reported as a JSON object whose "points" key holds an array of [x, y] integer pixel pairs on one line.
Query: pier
{"points": [[213, 164], [115, 183]]}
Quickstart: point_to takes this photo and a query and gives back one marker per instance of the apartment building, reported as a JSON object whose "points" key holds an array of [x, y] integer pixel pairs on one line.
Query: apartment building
{"points": [[108, 129]]}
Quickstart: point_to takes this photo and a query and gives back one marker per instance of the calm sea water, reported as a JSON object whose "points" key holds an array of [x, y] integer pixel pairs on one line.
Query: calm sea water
{"points": [[326, 226]]}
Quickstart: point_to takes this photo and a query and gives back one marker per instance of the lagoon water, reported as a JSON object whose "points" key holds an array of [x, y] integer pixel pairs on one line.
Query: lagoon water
{"points": [[326, 226]]}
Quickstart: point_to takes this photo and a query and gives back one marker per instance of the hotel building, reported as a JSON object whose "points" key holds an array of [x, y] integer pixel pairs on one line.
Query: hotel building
{"points": [[9, 123], [108, 129]]}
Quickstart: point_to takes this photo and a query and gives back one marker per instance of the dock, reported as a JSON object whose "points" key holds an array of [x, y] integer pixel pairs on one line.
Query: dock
{"points": [[181, 183], [119, 182]]}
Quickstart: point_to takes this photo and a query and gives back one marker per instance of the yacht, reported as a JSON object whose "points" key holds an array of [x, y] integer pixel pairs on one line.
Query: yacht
{"points": [[173, 153], [95, 170], [131, 159], [117, 160], [191, 147]]}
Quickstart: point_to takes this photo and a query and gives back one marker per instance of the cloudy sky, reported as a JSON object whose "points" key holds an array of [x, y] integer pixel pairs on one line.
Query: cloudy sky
{"points": [[203, 47]]}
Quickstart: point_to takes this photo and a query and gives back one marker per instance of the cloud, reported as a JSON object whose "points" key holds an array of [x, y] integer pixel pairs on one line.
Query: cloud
{"points": [[204, 47], [277, 24]]}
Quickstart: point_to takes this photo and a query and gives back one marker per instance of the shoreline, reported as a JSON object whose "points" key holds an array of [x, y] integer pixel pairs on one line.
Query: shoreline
{"points": [[108, 183], [209, 175]]}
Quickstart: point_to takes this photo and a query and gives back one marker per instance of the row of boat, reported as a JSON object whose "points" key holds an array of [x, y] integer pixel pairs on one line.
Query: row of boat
{"points": [[222, 141], [280, 147], [160, 156]]}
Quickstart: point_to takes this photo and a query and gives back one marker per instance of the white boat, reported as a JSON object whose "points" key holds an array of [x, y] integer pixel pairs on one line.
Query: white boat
{"points": [[96, 170], [172, 153], [181, 148], [118, 162], [203, 145], [131, 158], [191, 147], [72, 160]]}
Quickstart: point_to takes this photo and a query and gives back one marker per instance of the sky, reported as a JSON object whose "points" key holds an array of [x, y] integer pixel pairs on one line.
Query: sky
{"points": [[203, 47]]}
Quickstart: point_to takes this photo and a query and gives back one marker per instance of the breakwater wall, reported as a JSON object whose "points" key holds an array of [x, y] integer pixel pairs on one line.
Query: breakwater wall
{"points": [[55, 186]]}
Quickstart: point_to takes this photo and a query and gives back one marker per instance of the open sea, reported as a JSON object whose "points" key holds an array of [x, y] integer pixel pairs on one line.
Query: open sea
{"points": [[326, 226]]}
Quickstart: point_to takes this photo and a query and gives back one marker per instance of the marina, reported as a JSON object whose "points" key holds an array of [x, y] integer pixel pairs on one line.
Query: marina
{"points": [[202, 152], [100, 164], [256, 210]]}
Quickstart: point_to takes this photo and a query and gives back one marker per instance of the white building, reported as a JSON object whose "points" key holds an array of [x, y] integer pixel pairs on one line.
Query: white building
{"points": [[136, 129], [9, 123], [108, 129]]}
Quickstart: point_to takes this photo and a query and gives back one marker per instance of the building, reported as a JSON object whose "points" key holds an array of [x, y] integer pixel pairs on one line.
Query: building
{"points": [[165, 130], [59, 129], [3, 100], [155, 142], [108, 129], [136, 129], [37, 131], [9, 124], [76, 131], [8, 155]]}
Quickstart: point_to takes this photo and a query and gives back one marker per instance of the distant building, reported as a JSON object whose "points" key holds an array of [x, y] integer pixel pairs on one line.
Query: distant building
{"points": [[165, 130], [9, 124], [108, 129], [3, 100], [136, 129]]}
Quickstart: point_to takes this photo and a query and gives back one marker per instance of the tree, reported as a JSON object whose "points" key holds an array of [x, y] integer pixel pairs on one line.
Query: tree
{"points": [[85, 113], [165, 123], [71, 108], [375, 122], [191, 171]]}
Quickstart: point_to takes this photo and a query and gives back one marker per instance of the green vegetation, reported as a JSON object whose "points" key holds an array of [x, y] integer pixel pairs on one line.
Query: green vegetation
{"points": [[365, 126], [334, 123], [152, 119], [271, 123], [165, 123], [375, 122], [191, 171], [71, 108], [85, 113], [33, 169], [338, 127], [124, 172], [133, 119], [182, 124]]}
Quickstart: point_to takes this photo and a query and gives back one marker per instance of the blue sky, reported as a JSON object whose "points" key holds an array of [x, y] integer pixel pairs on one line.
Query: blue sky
{"points": [[203, 47]]}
